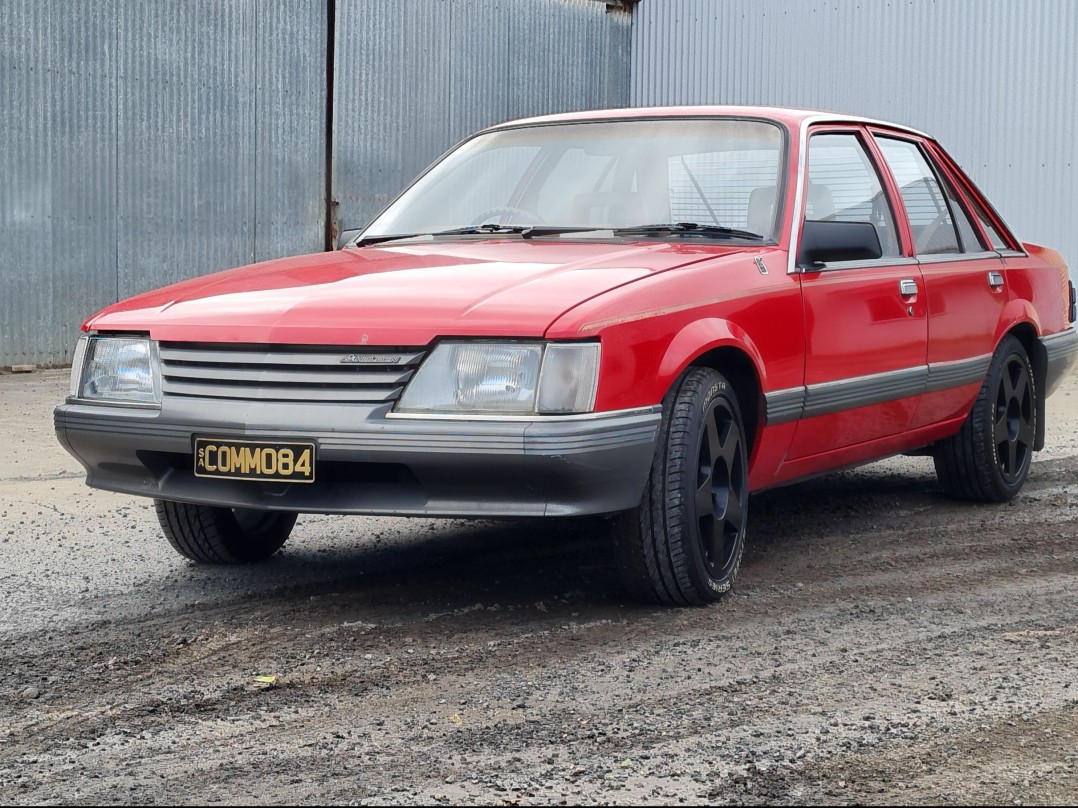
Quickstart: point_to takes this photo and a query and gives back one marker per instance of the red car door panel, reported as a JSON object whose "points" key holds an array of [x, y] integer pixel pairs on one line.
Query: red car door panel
{"points": [[865, 321]]}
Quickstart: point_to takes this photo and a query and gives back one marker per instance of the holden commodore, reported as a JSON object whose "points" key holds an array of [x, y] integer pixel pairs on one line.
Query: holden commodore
{"points": [[644, 314]]}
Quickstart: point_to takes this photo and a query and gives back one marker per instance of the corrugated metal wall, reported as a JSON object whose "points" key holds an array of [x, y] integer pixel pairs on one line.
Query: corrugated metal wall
{"points": [[411, 79], [147, 142], [993, 80], [143, 143]]}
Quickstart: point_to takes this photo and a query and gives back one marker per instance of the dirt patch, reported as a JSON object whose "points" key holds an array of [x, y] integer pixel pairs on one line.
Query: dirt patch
{"points": [[883, 645]]}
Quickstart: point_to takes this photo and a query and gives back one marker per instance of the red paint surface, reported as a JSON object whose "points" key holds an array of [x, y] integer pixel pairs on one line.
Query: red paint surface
{"points": [[655, 306]]}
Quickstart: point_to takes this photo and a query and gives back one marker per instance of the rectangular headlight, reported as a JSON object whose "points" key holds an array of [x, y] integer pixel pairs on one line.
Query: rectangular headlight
{"points": [[476, 377], [118, 370], [485, 378]]}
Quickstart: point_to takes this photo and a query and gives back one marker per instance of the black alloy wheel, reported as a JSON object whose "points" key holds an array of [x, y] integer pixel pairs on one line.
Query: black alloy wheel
{"points": [[1014, 430], [989, 458], [683, 544], [721, 483]]}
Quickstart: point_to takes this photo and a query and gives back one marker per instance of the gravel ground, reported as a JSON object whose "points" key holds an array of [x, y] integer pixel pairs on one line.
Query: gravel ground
{"points": [[882, 645]]}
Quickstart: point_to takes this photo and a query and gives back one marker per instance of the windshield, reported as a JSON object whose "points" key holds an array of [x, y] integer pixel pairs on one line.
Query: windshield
{"points": [[722, 174]]}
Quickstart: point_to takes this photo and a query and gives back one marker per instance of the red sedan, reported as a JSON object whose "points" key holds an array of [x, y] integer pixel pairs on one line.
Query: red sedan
{"points": [[646, 314]]}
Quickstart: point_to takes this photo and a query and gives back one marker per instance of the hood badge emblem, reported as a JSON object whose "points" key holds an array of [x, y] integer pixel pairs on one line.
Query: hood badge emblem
{"points": [[370, 359]]}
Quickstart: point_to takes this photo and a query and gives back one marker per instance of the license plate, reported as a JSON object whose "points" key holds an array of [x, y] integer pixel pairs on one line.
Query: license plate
{"points": [[263, 460]]}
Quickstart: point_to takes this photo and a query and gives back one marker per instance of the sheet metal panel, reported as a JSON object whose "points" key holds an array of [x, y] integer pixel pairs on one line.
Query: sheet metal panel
{"points": [[290, 127], [412, 79], [994, 82], [186, 118], [145, 143], [57, 167]]}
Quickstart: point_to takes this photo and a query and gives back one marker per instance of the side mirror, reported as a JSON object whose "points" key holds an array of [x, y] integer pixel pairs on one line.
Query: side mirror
{"points": [[823, 242], [348, 235]]}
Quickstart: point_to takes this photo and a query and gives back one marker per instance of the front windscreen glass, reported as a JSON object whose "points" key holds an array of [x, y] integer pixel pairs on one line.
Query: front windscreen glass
{"points": [[716, 173]]}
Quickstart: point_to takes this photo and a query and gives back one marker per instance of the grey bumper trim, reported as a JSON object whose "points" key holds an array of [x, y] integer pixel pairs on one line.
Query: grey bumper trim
{"points": [[1062, 354], [374, 465], [826, 398]]}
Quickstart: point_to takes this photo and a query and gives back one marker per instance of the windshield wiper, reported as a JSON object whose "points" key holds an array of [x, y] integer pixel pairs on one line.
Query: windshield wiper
{"points": [[523, 230], [368, 240], [687, 229], [456, 231]]}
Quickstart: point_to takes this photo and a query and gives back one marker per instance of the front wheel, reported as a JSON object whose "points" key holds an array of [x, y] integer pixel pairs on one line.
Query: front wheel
{"points": [[214, 535], [683, 544], [988, 460]]}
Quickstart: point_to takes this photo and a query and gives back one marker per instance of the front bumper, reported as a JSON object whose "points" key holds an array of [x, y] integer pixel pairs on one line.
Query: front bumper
{"points": [[372, 464]]}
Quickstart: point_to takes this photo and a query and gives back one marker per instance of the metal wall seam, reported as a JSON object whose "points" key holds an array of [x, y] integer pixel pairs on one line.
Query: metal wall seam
{"points": [[412, 79]]}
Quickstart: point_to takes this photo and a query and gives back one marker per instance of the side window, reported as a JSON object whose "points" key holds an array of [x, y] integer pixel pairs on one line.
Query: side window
{"points": [[993, 235], [930, 217], [996, 241], [971, 242], [843, 186]]}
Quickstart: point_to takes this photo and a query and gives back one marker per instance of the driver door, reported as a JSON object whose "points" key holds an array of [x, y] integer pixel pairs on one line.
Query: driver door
{"points": [[866, 321]]}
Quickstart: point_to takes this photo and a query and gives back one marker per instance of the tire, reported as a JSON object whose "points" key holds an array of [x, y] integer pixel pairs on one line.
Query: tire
{"points": [[988, 460], [213, 535], [682, 546]]}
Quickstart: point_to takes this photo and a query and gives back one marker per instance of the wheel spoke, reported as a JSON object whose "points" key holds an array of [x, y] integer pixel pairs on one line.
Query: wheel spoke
{"points": [[1025, 433], [1007, 385], [713, 441], [1021, 389], [731, 447], [1000, 432], [1011, 465], [705, 500], [715, 550], [735, 510]]}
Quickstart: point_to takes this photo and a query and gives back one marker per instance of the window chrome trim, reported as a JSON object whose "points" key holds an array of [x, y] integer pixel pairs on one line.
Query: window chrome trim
{"points": [[792, 267], [948, 258], [836, 266]]}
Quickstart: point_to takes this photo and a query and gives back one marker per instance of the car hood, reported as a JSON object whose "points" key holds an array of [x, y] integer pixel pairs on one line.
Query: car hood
{"points": [[396, 295]]}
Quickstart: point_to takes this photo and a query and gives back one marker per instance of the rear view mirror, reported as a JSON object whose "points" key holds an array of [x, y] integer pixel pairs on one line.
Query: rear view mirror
{"points": [[824, 242]]}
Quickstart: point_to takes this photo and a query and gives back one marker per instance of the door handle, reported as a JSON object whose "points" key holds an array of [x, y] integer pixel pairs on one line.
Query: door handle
{"points": [[995, 279], [907, 287]]}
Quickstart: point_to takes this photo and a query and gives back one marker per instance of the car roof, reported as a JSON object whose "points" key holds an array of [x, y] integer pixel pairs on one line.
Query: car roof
{"points": [[792, 117]]}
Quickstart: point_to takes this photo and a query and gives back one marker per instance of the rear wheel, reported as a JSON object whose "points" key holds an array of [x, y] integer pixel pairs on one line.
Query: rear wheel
{"points": [[214, 535], [683, 544], [988, 460]]}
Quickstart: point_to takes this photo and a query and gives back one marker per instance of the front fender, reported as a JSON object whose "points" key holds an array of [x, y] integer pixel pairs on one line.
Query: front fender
{"points": [[701, 336]]}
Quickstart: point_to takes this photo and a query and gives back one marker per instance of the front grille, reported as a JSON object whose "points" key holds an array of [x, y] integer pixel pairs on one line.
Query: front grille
{"points": [[287, 372]]}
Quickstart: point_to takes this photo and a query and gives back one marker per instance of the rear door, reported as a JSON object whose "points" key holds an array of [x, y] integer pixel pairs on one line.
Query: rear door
{"points": [[866, 321], [963, 277]]}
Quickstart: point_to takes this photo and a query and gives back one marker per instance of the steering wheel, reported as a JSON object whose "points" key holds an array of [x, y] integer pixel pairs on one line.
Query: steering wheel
{"points": [[529, 217]]}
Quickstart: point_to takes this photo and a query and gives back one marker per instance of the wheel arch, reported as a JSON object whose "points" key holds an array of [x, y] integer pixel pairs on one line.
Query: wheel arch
{"points": [[725, 347]]}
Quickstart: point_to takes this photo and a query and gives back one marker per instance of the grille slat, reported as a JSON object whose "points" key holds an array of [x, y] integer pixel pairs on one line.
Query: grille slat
{"points": [[274, 376], [284, 356], [286, 373]]}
